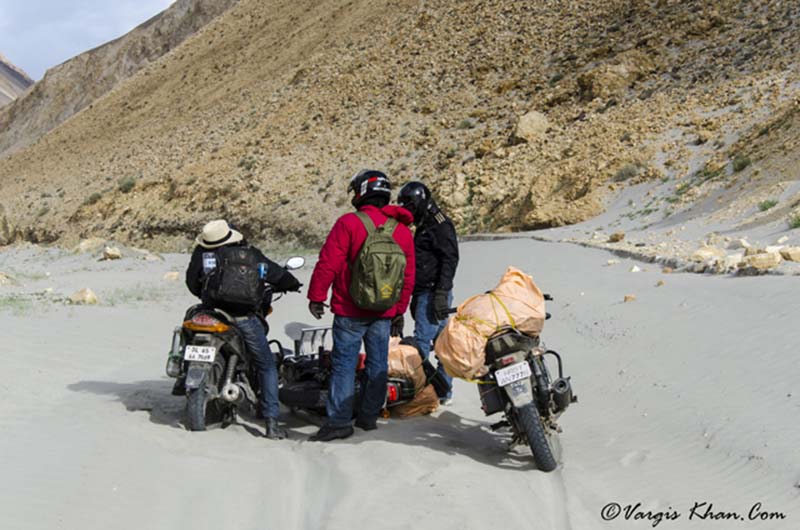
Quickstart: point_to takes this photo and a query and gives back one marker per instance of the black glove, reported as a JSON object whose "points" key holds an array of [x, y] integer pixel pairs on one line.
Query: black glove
{"points": [[397, 326], [441, 305], [317, 309]]}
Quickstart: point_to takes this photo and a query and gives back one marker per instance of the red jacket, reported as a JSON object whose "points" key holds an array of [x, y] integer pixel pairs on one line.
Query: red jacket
{"points": [[340, 250]]}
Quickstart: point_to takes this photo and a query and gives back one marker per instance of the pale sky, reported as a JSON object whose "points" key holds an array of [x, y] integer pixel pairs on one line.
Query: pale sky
{"points": [[38, 34]]}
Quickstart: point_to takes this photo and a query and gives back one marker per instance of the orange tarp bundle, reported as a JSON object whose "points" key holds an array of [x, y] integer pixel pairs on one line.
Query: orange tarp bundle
{"points": [[423, 403], [516, 302], [406, 363]]}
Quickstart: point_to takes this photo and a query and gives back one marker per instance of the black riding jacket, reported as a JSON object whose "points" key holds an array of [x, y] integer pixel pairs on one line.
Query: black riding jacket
{"points": [[277, 276], [436, 246]]}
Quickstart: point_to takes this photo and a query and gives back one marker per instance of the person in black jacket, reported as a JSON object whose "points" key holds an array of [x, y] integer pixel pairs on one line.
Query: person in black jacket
{"points": [[215, 236], [436, 246]]}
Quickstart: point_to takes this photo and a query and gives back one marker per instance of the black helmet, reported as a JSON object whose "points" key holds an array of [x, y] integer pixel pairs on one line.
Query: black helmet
{"points": [[369, 183], [416, 198]]}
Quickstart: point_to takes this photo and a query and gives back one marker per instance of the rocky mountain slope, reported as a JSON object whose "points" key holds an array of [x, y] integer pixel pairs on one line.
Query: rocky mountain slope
{"points": [[74, 85], [13, 81], [521, 115]]}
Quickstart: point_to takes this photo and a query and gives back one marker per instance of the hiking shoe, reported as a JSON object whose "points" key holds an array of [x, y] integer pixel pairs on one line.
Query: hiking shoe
{"points": [[367, 425], [327, 433], [274, 432]]}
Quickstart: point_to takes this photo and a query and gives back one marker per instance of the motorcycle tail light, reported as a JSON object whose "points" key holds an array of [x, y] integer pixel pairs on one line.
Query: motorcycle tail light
{"points": [[392, 393], [206, 324], [505, 361]]}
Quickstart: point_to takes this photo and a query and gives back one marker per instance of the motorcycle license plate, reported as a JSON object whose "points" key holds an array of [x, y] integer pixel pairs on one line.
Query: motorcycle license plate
{"points": [[203, 354], [513, 373]]}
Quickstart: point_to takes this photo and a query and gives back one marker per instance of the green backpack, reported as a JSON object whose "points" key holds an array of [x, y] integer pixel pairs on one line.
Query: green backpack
{"points": [[379, 269]]}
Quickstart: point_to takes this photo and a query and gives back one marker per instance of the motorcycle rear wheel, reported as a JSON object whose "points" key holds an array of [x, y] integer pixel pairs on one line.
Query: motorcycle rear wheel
{"points": [[200, 411], [531, 424]]}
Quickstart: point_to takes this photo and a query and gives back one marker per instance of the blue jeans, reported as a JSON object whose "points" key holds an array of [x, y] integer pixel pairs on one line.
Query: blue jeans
{"points": [[255, 339], [427, 328], [348, 333]]}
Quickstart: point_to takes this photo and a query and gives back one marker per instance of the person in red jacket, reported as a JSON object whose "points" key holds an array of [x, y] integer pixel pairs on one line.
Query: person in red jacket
{"points": [[352, 324]]}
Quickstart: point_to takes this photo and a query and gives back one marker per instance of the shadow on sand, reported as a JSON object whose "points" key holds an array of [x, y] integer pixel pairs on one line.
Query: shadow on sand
{"points": [[155, 397], [447, 432]]}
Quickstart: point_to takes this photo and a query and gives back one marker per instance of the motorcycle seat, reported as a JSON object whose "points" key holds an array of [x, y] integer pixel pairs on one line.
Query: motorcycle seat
{"points": [[506, 341]]}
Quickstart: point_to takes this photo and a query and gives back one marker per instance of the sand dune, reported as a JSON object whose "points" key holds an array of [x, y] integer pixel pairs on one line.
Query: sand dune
{"points": [[687, 395]]}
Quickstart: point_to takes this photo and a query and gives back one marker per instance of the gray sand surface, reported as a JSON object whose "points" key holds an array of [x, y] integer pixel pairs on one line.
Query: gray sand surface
{"points": [[689, 394]]}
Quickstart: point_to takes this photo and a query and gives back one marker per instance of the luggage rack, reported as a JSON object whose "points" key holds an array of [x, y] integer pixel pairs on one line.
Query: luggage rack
{"points": [[315, 338]]}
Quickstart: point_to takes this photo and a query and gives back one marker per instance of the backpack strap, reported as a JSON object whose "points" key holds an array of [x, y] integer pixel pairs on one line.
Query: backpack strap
{"points": [[390, 224], [367, 221]]}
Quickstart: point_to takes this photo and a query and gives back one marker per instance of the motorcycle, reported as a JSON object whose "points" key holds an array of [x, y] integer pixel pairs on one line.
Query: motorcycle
{"points": [[305, 374], [518, 383], [211, 363]]}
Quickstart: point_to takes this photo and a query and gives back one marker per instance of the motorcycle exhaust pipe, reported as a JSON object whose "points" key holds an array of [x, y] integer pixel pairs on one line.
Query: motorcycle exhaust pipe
{"points": [[232, 393], [562, 394]]}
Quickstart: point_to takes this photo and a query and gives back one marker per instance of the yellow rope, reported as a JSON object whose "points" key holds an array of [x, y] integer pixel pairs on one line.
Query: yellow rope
{"points": [[479, 382], [470, 323], [505, 308]]}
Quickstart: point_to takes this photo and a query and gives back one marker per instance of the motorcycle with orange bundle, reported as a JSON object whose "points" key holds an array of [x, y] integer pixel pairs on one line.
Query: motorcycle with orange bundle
{"points": [[518, 383]]}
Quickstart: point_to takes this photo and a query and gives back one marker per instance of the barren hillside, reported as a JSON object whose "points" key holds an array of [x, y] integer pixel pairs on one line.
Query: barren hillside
{"points": [[74, 85], [13, 81], [264, 114]]}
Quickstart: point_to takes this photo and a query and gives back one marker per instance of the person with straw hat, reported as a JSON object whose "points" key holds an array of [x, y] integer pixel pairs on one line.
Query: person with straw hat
{"points": [[217, 242]]}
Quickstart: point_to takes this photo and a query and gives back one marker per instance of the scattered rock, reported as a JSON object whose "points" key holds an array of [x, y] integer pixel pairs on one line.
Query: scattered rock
{"points": [[774, 249], [636, 268], [616, 237], [147, 255], [706, 253], [733, 261], [737, 244], [84, 297], [111, 253], [698, 267], [764, 261], [89, 246], [791, 253], [608, 80], [661, 283], [783, 240], [702, 136], [667, 270], [629, 298], [611, 262], [172, 276], [752, 251], [531, 127], [5, 279]]}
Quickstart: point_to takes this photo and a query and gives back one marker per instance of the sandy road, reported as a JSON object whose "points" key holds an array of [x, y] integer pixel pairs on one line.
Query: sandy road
{"points": [[687, 395]]}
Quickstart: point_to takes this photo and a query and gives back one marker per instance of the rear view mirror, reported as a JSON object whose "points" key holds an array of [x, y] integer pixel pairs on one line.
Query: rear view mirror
{"points": [[295, 263]]}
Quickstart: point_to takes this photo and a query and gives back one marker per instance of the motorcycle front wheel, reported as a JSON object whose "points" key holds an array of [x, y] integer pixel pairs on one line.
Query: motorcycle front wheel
{"points": [[531, 424]]}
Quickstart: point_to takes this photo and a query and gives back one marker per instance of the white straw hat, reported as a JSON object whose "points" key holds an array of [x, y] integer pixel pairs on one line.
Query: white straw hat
{"points": [[218, 233]]}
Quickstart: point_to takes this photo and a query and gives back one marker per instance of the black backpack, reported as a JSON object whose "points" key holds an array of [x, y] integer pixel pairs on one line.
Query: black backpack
{"points": [[236, 279]]}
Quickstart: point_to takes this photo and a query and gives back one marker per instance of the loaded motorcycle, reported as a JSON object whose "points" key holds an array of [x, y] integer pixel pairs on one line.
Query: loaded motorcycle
{"points": [[518, 384], [212, 365]]}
